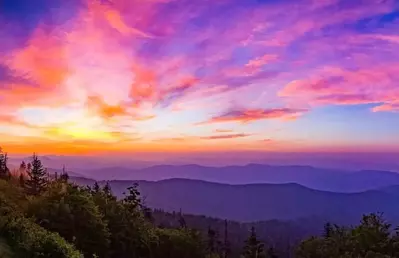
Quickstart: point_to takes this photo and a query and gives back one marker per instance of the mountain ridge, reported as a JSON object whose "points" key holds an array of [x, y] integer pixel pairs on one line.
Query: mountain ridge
{"points": [[309, 176], [256, 202]]}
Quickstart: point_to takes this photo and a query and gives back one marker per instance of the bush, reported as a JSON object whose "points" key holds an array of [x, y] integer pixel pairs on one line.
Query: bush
{"points": [[30, 240]]}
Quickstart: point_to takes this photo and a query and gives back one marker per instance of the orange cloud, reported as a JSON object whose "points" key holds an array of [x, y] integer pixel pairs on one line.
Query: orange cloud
{"points": [[105, 110]]}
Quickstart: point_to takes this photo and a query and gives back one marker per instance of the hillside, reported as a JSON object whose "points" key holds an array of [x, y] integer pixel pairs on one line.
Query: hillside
{"points": [[316, 178], [255, 202]]}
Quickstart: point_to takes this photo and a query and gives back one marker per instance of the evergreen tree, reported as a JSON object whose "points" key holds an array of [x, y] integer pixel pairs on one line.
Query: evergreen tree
{"points": [[271, 253], [107, 189], [212, 241], [37, 177], [132, 199], [21, 180], [4, 171], [64, 175], [96, 188], [253, 247], [182, 221], [226, 244], [22, 168], [328, 229]]}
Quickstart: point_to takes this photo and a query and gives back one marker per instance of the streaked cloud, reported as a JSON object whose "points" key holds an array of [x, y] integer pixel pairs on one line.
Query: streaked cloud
{"points": [[226, 136], [246, 116]]}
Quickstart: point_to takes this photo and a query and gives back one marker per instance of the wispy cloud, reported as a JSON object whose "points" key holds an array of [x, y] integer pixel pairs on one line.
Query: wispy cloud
{"points": [[226, 136], [246, 116]]}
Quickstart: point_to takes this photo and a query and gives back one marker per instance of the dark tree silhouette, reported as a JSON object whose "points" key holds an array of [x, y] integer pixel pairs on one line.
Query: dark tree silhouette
{"points": [[22, 167], [64, 175], [37, 177], [253, 247], [4, 171], [132, 198], [96, 188], [21, 180], [212, 241], [226, 244]]}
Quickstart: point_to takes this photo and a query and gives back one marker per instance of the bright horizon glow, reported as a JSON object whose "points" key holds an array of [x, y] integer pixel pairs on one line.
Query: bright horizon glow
{"points": [[91, 76]]}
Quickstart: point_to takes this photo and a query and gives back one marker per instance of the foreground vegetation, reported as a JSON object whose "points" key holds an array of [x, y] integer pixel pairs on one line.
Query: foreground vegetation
{"points": [[48, 216]]}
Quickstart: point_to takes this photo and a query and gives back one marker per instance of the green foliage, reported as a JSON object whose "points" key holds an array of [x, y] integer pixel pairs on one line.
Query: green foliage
{"points": [[130, 234], [37, 177], [182, 243], [372, 238], [71, 212], [29, 240]]}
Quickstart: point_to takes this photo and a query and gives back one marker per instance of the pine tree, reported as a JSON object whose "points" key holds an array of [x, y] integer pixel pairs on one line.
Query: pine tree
{"points": [[132, 198], [21, 180], [4, 171], [271, 253], [212, 240], [226, 243], [328, 229], [37, 177], [181, 220], [22, 168], [96, 188], [64, 177], [107, 189], [253, 247]]}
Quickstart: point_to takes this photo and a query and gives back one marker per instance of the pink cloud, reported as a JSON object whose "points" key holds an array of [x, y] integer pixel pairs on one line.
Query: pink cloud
{"points": [[348, 87], [223, 131], [260, 61], [225, 136], [246, 116]]}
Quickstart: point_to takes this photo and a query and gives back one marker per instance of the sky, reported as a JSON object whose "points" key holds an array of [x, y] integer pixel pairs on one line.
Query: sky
{"points": [[92, 76]]}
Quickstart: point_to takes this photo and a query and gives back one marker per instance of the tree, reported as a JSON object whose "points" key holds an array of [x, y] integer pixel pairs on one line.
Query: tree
{"points": [[253, 247], [182, 220], [22, 168], [328, 229], [131, 235], [21, 180], [132, 199], [226, 244], [4, 170], [178, 243], [96, 188], [71, 212], [212, 245], [372, 238], [64, 177], [107, 189], [37, 177]]}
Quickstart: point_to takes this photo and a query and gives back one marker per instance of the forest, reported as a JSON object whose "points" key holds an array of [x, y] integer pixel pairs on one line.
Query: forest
{"points": [[43, 215]]}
